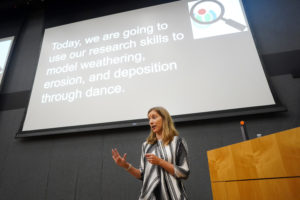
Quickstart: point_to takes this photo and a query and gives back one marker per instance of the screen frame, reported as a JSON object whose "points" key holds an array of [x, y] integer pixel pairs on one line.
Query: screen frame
{"points": [[277, 107]]}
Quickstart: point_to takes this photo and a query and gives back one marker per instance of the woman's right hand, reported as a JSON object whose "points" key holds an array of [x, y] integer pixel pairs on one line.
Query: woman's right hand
{"points": [[121, 161]]}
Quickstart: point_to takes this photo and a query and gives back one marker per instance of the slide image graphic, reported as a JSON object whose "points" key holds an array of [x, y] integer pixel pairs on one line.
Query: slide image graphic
{"points": [[211, 18]]}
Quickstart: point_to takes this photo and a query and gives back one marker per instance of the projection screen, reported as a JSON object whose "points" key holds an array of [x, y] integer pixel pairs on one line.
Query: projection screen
{"points": [[5, 47], [191, 57]]}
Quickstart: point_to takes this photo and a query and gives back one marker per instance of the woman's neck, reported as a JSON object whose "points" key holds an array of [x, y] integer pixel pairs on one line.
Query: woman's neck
{"points": [[159, 136]]}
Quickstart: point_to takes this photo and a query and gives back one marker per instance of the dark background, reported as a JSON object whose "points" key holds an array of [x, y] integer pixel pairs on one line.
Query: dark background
{"points": [[79, 166]]}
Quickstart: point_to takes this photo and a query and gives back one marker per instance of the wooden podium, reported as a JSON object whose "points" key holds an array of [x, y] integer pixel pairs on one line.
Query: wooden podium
{"points": [[266, 168]]}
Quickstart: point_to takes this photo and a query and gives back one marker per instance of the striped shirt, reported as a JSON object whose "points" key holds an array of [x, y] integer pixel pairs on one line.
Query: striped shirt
{"points": [[157, 182]]}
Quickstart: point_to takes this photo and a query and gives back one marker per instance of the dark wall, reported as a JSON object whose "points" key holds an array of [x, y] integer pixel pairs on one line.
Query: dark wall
{"points": [[79, 166]]}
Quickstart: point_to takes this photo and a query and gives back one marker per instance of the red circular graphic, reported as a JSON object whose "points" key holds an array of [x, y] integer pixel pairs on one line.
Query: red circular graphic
{"points": [[202, 11]]}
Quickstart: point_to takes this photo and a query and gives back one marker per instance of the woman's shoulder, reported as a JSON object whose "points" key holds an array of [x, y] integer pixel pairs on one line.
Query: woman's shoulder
{"points": [[177, 139], [144, 144]]}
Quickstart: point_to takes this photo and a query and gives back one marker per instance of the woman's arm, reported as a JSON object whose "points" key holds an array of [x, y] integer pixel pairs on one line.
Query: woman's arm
{"points": [[133, 171], [180, 169], [182, 166], [154, 160], [121, 161]]}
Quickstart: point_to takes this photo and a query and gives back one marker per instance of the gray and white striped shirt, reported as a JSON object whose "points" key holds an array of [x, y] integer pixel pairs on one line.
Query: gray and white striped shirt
{"points": [[170, 187]]}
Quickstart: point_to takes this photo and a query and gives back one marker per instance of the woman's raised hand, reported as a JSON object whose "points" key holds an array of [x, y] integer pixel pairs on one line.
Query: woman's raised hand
{"points": [[121, 161]]}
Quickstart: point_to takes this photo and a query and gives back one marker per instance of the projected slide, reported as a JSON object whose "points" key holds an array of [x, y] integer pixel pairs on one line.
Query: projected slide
{"points": [[188, 56], [5, 46]]}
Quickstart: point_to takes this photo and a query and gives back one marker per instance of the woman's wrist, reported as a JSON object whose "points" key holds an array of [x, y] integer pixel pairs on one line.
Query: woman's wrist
{"points": [[129, 167], [160, 161]]}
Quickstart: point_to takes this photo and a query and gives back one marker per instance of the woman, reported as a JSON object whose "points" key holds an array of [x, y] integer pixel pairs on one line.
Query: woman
{"points": [[164, 159]]}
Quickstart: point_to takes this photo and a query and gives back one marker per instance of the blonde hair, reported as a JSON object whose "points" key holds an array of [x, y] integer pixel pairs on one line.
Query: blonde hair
{"points": [[168, 127]]}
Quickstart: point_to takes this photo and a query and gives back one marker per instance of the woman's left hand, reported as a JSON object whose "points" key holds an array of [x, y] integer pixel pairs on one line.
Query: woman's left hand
{"points": [[153, 159]]}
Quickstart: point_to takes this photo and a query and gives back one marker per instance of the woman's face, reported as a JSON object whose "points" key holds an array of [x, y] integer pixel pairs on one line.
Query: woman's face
{"points": [[155, 121]]}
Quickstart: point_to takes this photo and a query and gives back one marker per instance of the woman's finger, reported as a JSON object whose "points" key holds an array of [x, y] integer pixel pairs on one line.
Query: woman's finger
{"points": [[115, 159], [148, 155], [117, 153], [114, 152]]}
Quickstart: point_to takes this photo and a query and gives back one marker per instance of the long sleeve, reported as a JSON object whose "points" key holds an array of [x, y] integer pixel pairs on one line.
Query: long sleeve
{"points": [[142, 162], [181, 167]]}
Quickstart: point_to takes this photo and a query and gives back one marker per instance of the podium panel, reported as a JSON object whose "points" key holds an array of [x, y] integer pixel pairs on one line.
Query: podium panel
{"points": [[262, 168], [263, 189]]}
